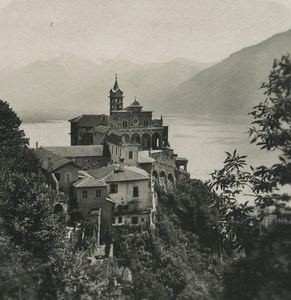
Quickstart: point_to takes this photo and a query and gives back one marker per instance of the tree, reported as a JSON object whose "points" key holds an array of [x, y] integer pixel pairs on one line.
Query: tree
{"points": [[32, 236], [11, 137], [237, 228], [266, 273], [265, 270], [14, 151], [272, 131], [26, 206], [36, 259]]}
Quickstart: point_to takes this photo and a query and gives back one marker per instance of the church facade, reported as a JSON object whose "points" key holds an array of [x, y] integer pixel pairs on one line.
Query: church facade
{"points": [[135, 125]]}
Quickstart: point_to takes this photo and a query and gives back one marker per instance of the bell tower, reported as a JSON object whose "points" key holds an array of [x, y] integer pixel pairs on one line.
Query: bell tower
{"points": [[116, 97]]}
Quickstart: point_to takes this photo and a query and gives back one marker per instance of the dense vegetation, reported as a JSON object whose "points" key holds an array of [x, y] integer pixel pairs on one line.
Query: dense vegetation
{"points": [[174, 260], [206, 245], [265, 270]]}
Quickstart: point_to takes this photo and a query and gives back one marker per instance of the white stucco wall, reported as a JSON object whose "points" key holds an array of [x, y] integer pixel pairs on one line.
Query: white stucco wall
{"points": [[125, 193]]}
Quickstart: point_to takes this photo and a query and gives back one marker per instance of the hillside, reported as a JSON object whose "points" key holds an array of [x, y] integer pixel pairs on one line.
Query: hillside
{"points": [[232, 85], [66, 86]]}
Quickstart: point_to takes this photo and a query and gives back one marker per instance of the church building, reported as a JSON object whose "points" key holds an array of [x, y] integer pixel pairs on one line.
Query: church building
{"points": [[131, 136], [135, 125]]}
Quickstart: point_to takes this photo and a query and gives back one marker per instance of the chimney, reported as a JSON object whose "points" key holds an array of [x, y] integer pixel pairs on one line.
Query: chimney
{"points": [[36, 145], [49, 162], [121, 164]]}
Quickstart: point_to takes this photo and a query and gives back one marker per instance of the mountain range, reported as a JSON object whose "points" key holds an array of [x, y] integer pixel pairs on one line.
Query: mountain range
{"points": [[231, 86], [65, 86]]}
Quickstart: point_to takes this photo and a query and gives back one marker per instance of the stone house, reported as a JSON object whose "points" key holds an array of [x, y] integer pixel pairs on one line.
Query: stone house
{"points": [[81, 125], [99, 134], [120, 149], [91, 196], [131, 190], [58, 171]]}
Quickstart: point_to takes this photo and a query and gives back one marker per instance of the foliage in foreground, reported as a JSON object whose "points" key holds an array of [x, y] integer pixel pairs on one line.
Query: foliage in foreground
{"points": [[264, 273], [35, 256], [171, 262]]}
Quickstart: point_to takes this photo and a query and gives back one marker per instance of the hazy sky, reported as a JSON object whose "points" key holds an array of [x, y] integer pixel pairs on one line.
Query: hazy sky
{"points": [[138, 30]]}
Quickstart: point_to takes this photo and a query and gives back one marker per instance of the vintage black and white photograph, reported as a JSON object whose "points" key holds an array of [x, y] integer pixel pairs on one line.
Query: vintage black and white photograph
{"points": [[145, 149]]}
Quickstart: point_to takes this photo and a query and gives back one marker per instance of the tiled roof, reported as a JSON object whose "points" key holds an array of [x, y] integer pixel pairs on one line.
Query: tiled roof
{"points": [[56, 160], [137, 170], [115, 131], [144, 158], [113, 174], [89, 182], [110, 200], [101, 128], [114, 139], [78, 151], [87, 120], [100, 173]]}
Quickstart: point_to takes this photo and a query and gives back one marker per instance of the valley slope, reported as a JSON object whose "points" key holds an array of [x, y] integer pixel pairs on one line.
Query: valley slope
{"points": [[232, 85]]}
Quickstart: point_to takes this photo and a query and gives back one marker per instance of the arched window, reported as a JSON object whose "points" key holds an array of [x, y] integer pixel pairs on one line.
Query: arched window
{"points": [[163, 179], [156, 141], [135, 138], [146, 141], [171, 178], [58, 208]]}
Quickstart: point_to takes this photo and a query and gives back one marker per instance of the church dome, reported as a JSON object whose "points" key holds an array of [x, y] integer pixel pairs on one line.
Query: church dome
{"points": [[135, 103]]}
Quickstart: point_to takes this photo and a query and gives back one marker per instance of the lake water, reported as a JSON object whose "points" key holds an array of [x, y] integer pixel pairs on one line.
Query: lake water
{"points": [[203, 140]]}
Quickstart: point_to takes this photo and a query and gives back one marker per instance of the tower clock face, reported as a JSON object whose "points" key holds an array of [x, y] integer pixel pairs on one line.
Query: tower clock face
{"points": [[135, 121]]}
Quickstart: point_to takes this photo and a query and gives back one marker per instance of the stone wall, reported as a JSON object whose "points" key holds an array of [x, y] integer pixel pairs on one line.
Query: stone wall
{"points": [[164, 168]]}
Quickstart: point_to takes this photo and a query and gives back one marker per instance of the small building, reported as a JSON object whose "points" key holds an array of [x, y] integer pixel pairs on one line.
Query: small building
{"points": [[181, 163], [59, 172], [91, 195], [131, 190], [145, 161], [81, 125], [120, 148], [128, 152], [99, 134]]}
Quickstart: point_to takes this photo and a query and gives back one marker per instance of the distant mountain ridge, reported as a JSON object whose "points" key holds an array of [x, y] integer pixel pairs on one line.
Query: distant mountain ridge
{"points": [[66, 86], [232, 85]]}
